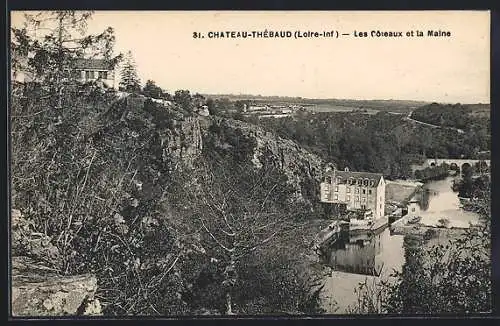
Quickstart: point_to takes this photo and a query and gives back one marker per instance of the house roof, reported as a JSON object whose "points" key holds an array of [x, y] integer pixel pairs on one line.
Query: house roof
{"points": [[94, 64], [343, 176]]}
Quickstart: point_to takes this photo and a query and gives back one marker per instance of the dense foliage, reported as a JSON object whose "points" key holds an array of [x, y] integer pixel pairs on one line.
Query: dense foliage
{"points": [[433, 173], [455, 116], [93, 177], [382, 142]]}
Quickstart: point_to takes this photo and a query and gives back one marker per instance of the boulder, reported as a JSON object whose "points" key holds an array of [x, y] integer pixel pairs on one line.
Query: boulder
{"points": [[38, 288], [40, 291]]}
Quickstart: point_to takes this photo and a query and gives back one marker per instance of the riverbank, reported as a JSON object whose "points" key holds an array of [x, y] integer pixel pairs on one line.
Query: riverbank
{"points": [[434, 233], [400, 190]]}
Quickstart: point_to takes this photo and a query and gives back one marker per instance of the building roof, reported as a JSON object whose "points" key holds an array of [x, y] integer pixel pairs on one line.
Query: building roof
{"points": [[343, 176], [94, 64]]}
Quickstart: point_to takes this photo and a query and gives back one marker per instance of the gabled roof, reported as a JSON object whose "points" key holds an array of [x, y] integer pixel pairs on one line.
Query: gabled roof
{"points": [[343, 176], [94, 64]]}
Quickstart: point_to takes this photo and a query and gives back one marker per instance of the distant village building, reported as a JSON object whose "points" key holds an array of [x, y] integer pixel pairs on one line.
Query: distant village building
{"points": [[258, 108], [99, 70], [160, 101], [357, 191]]}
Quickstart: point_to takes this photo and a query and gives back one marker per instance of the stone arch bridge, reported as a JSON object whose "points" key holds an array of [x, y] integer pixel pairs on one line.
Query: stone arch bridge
{"points": [[453, 163]]}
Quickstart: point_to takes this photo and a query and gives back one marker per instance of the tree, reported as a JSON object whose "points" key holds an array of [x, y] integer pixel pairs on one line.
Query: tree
{"points": [[129, 80], [184, 99], [48, 44], [239, 216], [198, 100], [151, 90], [212, 108]]}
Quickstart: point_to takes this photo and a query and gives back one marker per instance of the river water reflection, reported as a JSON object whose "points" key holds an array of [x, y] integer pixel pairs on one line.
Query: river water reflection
{"points": [[367, 253], [438, 201], [356, 258]]}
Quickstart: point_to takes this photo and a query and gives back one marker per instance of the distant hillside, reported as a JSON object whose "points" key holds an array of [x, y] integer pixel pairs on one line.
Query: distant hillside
{"points": [[327, 104], [461, 116]]}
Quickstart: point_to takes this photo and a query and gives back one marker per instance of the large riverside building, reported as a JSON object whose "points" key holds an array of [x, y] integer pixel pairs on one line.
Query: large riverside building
{"points": [[355, 190]]}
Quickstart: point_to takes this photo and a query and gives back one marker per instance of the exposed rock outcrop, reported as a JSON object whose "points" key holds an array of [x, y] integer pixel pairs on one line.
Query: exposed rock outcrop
{"points": [[303, 169], [182, 136], [184, 141], [38, 288]]}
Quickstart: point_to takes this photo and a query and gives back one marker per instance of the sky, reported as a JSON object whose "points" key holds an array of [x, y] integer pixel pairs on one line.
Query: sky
{"points": [[451, 69]]}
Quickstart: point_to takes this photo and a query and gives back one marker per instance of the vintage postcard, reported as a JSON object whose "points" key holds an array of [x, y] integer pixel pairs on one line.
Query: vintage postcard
{"points": [[236, 163]]}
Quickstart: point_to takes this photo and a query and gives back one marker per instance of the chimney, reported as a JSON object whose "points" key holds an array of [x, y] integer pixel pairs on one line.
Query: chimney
{"points": [[346, 169]]}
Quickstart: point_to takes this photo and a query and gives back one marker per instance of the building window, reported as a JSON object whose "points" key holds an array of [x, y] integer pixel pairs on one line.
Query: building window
{"points": [[348, 189], [364, 191], [357, 190], [363, 206], [336, 196], [369, 191], [356, 198], [360, 182], [413, 209], [89, 75], [103, 74], [348, 198], [328, 180], [372, 183], [336, 188], [363, 199]]}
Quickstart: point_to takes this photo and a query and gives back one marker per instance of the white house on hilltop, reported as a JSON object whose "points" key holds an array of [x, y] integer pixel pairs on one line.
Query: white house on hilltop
{"points": [[99, 70]]}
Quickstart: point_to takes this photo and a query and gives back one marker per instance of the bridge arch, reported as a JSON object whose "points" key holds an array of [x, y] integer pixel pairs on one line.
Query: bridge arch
{"points": [[461, 163], [455, 164], [465, 167]]}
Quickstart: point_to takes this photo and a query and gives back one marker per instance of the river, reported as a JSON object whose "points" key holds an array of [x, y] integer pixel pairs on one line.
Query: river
{"points": [[361, 257], [438, 201]]}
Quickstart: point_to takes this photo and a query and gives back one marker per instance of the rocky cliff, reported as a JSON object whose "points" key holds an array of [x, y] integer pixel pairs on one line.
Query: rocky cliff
{"points": [[264, 149], [182, 138]]}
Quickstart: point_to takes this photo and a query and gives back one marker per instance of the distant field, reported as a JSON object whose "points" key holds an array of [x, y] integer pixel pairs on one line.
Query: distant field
{"points": [[337, 108], [346, 105], [331, 105], [480, 110]]}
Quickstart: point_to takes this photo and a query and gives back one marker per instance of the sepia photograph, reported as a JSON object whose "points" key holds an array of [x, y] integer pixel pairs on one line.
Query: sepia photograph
{"points": [[249, 163]]}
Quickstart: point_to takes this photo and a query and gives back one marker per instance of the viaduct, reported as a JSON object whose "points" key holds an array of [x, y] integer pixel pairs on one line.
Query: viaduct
{"points": [[453, 163]]}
